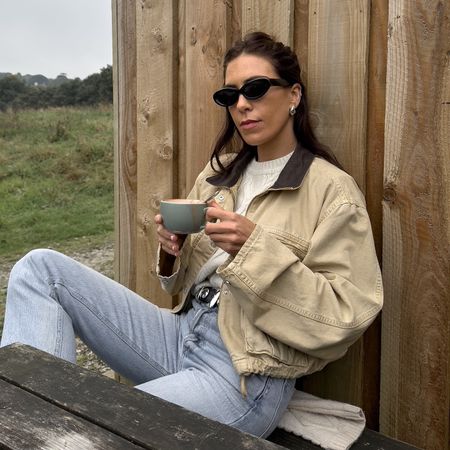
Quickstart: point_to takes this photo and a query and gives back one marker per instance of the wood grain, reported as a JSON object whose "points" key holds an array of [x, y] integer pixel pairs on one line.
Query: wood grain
{"points": [[416, 259], [236, 20], [156, 133], [274, 18], [376, 105], [337, 78], [180, 156], [301, 22], [207, 25], [136, 416], [125, 151], [30, 422]]}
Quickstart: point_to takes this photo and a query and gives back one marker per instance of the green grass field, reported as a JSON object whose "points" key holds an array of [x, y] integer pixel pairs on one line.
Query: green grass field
{"points": [[56, 180], [56, 177]]}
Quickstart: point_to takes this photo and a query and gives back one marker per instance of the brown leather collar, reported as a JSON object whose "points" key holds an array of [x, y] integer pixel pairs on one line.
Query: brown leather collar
{"points": [[290, 177]]}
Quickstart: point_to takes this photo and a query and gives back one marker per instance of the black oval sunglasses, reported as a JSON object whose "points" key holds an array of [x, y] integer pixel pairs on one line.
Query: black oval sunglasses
{"points": [[251, 90]]}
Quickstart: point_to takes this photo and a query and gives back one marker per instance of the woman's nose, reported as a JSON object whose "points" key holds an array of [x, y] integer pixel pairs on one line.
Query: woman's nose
{"points": [[243, 103]]}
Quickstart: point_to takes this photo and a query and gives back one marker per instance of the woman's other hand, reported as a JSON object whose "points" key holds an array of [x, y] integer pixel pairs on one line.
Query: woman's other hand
{"points": [[228, 230], [171, 243]]}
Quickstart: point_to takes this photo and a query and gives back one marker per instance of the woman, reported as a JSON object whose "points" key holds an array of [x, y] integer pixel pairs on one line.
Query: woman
{"points": [[282, 281]]}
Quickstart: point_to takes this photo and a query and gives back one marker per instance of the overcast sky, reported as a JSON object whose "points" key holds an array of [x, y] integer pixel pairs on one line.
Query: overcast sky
{"points": [[50, 37]]}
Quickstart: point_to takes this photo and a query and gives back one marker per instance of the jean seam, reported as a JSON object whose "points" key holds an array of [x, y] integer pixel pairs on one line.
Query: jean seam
{"points": [[59, 321], [254, 404], [269, 426], [125, 339], [58, 343], [257, 402]]}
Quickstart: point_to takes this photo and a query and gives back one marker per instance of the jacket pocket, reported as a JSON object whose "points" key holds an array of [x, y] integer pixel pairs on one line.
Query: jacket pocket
{"points": [[259, 343], [298, 245]]}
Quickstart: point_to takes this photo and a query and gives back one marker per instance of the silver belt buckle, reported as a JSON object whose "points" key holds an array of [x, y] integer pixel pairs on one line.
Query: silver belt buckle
{"points": [[203, 293], [214, 300]]}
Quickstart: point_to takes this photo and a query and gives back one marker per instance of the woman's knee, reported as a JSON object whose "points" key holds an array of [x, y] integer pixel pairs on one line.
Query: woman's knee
{"points": [[34, 263]]}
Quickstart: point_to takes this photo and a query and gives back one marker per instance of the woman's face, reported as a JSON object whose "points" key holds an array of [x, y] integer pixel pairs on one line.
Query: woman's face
{"points": [[264, 122]]}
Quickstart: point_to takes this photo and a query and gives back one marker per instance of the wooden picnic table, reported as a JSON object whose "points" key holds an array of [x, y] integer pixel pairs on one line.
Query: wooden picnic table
{"points": [[48, 403]]}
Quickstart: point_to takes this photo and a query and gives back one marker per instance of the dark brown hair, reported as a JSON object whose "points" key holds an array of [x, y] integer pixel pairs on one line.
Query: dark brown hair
{"points": [[285, 62]]}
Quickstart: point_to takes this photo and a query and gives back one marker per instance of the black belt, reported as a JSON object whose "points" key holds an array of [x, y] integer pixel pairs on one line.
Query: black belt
{"points": [[208, 294]]}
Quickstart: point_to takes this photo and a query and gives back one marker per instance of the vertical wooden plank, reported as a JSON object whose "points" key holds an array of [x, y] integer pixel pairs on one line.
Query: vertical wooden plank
{"points": [[125, 167], [416, 260], [207, 36], [337, 85], [337, 78], [156, 132], [341, 380], [376, 104], [274, 18], [301, 25], [180, 150], [236, 20], [443, 135]]}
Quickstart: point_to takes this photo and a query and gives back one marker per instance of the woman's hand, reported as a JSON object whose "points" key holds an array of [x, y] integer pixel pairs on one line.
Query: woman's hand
{"points": [[171, 243], [228, 230]]}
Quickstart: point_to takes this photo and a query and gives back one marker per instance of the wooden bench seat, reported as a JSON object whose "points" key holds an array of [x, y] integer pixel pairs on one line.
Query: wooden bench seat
{"points": [[48, 403], [369, 440]]}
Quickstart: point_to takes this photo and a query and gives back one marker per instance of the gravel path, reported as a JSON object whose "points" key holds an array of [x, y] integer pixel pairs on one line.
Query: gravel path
{"points": [[100, 259]]}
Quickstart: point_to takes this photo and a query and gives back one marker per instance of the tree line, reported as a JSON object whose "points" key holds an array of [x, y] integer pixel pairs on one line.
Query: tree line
{"points": [[95, 89]]}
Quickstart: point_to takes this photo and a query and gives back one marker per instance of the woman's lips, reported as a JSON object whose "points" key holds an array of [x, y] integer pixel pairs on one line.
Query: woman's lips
{"points": [[249, 124]]}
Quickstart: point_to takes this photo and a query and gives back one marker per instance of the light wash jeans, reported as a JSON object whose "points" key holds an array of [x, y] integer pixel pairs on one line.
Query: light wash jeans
{"points": [[178, 357]]}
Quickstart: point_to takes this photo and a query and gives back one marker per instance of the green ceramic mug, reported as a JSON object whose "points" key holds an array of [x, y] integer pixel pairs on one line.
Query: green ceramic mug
{"points": [[183, 216]]}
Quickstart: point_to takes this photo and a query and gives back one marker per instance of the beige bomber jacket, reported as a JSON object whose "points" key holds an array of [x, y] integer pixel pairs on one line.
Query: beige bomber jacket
{"points": [[305, 285]]}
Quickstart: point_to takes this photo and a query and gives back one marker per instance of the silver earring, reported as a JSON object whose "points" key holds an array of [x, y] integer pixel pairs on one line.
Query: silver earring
{"points": [[292, 110]]}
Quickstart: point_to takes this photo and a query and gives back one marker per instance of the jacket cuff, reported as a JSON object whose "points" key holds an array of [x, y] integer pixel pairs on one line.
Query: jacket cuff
{"points": [[167, 281]]}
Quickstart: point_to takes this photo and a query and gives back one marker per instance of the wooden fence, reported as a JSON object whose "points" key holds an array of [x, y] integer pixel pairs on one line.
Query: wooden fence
{"points": [[378, 78]]}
